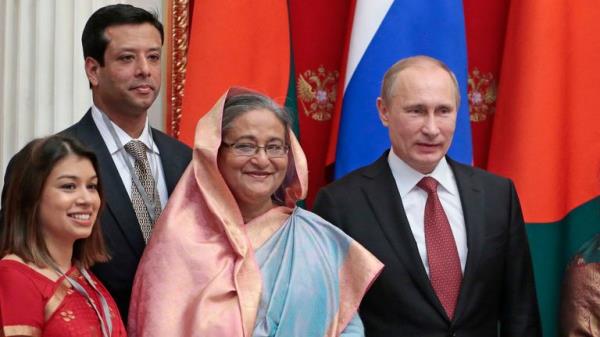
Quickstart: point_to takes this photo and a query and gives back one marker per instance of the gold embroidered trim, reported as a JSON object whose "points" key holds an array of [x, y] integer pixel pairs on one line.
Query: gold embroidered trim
{"points": [[59, 295], [21, 330]]}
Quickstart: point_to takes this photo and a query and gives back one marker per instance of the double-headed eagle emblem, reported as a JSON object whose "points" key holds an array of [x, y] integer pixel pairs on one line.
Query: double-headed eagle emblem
{"points": [[482, 95], [317, 93]]}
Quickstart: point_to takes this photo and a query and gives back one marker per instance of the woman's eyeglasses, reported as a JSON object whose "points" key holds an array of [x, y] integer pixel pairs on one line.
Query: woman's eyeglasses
{"points": [[249, 149]]}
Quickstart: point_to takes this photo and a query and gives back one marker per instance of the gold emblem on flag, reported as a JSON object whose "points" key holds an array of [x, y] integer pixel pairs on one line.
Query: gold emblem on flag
{"points": [[317, 92], [482, 95]]}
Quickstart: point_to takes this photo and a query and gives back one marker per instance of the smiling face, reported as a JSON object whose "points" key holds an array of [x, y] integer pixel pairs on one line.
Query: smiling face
{"points": [[420, 115], [69, 201], [128, 82], [253, 179]]}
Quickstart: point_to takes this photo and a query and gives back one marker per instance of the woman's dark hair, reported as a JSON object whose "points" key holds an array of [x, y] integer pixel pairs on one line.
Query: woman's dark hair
{"points": [[21, 232]]}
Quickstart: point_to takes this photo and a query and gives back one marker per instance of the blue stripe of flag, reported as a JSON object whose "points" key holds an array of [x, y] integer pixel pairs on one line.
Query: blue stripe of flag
{"points": [[433, 27]]}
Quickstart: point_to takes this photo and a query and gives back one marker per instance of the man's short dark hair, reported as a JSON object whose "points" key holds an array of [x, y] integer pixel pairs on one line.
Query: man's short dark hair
{"points": [[94, 40]]}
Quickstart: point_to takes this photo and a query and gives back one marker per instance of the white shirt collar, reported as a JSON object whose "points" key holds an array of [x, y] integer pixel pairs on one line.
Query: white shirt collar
{"points": [[123, 136], [407, 178]]}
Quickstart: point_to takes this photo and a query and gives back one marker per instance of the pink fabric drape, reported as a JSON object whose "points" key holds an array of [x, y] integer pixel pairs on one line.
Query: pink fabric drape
{"points": [[198, 276]]}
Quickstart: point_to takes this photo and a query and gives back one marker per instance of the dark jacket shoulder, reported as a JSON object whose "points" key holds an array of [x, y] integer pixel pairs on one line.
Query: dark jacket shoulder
{"points": [[489, 180], [166, 141], [360, 175]]}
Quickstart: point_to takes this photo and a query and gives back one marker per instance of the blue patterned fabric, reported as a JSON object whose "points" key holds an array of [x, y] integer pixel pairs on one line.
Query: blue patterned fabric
{"points": [[300, 265]]}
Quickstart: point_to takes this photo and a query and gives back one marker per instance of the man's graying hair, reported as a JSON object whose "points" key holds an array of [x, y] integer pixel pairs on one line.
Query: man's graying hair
{"points": [[390, 75]]}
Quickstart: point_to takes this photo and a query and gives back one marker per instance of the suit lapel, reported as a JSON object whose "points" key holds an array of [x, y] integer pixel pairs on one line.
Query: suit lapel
{"points": [[115, 195], [471, 198], [384, 199]]}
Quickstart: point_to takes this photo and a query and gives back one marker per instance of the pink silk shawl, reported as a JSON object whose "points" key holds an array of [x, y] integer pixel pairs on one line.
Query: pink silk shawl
{"points": [[198, 275]]}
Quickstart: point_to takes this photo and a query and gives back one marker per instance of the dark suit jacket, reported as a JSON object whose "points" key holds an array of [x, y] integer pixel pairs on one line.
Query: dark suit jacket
{"points": [[497, 296], [119, 223]]}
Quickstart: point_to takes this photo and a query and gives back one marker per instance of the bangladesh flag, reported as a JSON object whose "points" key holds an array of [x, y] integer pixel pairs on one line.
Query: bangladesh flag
{"points": [[235, 43], [546, 133]]}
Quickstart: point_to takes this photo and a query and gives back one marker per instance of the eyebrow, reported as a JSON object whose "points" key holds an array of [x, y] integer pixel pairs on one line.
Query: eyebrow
{"points": [[413, 106], [444, 106], [423, 106], [252, 138], [132, 49], [73, 177]]}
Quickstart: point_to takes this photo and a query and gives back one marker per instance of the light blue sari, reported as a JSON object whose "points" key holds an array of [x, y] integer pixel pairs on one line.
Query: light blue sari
{"points": [[300, 266]]}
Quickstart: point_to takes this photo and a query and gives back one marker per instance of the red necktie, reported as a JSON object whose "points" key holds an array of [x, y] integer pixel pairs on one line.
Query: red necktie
{"points": [[444, 265]]}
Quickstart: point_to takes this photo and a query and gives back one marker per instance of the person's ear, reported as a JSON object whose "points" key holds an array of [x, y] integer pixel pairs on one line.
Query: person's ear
{"points": [[383, 111], [92, 68]]}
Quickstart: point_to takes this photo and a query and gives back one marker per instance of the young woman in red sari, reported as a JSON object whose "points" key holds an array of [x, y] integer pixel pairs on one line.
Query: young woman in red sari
{"points": [[49, 239]]}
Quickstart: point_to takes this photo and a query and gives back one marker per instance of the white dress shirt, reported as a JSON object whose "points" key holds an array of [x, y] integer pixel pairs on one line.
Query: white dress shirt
{"points": [[414, 199], [151, 151]]}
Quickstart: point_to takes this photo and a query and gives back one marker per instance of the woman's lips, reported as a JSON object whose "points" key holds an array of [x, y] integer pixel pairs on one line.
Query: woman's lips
{"points": [[258, 174], [84, 218]]}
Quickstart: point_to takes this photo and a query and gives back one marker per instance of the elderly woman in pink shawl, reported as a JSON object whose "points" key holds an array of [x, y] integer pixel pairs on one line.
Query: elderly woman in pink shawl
{"points": [[232, 255]]}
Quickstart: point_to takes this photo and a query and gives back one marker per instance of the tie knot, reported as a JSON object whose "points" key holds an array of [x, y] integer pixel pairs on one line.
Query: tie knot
{"points": [[137, 150], [428, 184]]}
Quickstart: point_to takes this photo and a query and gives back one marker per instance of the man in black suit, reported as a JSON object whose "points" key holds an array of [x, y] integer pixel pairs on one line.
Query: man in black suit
{"points": [[451, 236], [122, 51]]}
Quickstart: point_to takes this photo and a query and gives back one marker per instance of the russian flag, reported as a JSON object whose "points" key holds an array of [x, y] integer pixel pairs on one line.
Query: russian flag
{"points": [[382, 33]]}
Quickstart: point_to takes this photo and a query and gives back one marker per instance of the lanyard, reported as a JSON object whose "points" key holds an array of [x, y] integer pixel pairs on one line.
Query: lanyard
{"points": [[136, 181], [106, 321]]}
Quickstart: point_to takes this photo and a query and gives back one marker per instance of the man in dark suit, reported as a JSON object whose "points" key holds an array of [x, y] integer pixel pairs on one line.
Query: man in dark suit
{"points": [[122, 51], [451, 236]]}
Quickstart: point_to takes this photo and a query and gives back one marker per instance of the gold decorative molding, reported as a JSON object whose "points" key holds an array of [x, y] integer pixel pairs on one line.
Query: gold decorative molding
{"points": [[178, 31]]}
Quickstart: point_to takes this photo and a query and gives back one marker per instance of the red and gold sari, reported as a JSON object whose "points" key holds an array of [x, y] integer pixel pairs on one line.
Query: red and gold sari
{"points": [[33, 305]]}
